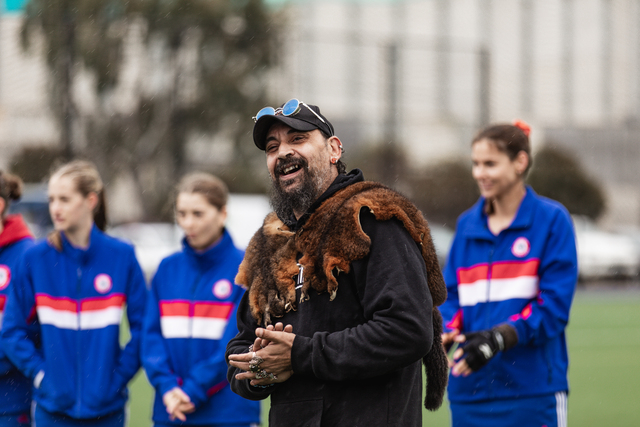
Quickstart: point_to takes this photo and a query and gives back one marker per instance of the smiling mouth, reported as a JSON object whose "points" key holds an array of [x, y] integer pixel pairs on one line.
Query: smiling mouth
{"points": [[290, 169]]}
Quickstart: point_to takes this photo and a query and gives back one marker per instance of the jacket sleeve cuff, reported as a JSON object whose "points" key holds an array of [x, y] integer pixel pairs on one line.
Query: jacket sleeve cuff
{"points": [[39, 367], [509, 333], [301, 355], [166, 386], [5, 367], [195, 392]]}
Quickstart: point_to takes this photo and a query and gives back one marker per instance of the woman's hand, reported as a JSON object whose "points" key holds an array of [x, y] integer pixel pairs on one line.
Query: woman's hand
{"points": [[178, 404], [449, 342]]}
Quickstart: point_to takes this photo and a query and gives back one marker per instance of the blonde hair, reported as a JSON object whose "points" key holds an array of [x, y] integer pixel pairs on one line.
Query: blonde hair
{"points": [[211, 187], [86, 178]]}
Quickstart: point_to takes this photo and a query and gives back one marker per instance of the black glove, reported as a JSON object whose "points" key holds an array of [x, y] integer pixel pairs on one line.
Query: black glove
{"points": [[481, 346]]}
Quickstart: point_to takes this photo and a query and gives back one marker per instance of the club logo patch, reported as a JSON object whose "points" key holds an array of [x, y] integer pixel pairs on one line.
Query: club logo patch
{"points": [[5, 276], [103, 283], [521, 247], [222, 289]]}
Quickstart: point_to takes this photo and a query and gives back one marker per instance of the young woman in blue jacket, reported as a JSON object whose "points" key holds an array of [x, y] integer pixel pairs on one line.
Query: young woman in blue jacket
{"points": [[511, 275], [191, 315], [15, 238], [75, 287]]}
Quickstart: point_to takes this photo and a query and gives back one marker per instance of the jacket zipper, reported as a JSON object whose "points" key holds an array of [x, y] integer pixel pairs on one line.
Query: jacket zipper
{"points": [[488, 292], [192, 307], [79, 343], [488, 307]]}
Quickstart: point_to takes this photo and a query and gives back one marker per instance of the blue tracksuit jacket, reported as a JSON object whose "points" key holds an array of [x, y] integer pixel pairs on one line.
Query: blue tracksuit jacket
{"points": [[191, 315], [15, 389], [525, 276], [77, 297]]}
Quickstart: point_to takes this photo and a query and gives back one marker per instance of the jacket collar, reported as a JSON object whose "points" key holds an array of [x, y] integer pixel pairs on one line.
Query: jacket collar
{"points": [[478, 226], [211, 255], [80, 254], [341, 181], [14, 229]]}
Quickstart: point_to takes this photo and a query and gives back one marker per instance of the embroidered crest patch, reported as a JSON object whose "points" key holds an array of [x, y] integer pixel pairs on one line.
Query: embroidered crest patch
{"points": [[103, 283], [222, 289], [5, 276], [521, 247]]}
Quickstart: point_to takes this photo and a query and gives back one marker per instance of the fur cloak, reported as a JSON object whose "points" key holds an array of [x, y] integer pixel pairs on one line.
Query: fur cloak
{"points": [[329, 241]]}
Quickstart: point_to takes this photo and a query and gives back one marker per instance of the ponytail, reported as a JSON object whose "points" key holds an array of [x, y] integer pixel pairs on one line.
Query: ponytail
{"points": [[55, 239], [10, 189], [100, 213], [87, 180]]}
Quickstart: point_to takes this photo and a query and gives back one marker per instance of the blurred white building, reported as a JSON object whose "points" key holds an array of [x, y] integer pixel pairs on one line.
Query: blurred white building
{"points": [[25, 117], [428, 73]]}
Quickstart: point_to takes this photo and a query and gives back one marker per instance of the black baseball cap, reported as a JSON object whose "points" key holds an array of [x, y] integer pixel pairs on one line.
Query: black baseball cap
{"points": [[304, 120]]}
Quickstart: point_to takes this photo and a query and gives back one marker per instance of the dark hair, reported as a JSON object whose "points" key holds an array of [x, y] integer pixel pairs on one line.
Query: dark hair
{"points": [[342, 167], [10, 189], [211, 187], [85, 176], [509, 139]]}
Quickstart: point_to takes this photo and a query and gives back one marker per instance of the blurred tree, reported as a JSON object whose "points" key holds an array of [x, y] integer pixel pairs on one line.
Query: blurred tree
{"points": [[557, 175], [162, 73], [445, 190], [34, 163], [442, 191], [383, 162]]}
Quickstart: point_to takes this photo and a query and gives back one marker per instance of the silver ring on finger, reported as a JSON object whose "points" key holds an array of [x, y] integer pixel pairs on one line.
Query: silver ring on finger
{"points": [[256, 360]]}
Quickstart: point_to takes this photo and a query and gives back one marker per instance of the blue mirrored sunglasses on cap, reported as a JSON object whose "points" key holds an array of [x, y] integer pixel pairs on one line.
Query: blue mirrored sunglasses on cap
{"points": [[290, 108]]}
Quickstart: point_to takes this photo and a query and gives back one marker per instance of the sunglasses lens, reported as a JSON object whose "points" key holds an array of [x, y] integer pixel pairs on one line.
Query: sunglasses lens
{"points": [[291, 107], [266, 111]]}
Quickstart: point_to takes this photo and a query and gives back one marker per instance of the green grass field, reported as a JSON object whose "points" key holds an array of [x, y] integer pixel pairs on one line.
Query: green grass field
{"points": [[604, 372]]}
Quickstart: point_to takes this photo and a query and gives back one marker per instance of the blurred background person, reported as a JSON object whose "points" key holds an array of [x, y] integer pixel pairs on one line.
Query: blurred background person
{"points": [[191, 315], [511, 276], [15, 238], [75, 286]]}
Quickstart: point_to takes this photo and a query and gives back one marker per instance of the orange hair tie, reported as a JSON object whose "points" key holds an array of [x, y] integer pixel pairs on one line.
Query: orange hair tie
{"points": [[523, 126]]}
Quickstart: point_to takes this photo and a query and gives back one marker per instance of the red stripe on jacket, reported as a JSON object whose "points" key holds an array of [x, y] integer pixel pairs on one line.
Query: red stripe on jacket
{"points": [[57, 303], [174, 308], [100, 303], [499, 270], [215, 310]]}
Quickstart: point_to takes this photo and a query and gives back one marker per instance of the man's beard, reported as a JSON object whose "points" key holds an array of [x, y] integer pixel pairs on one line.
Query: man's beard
{"points": [[301, 197]]}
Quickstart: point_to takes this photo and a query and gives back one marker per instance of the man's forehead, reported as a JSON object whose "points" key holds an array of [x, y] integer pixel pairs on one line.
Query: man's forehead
{"points": [[281, 127]]}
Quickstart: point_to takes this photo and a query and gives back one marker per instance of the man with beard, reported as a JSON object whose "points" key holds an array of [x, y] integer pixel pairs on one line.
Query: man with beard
{"points": [[349, 267]]}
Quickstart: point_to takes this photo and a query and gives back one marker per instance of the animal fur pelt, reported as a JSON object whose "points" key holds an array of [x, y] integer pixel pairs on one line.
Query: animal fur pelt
{"points": [[331, 239]]}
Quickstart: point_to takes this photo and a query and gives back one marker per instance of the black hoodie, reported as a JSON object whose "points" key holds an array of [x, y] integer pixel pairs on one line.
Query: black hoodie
{"points": [[356, 359]]}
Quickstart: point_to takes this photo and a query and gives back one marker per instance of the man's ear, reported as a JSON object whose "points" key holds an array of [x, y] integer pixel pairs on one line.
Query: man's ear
{"points": [[335, 147]]}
